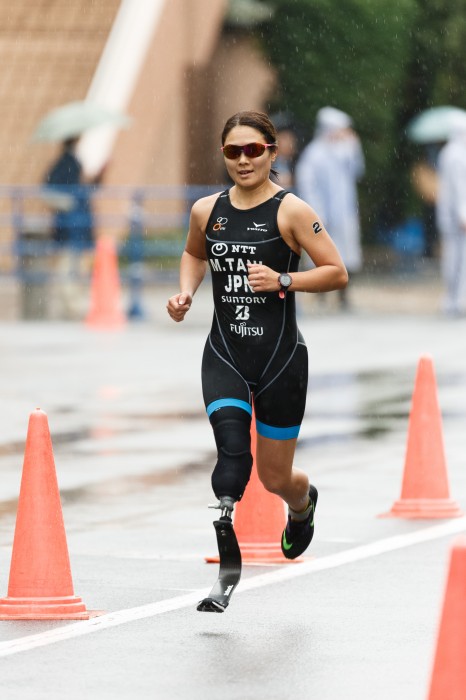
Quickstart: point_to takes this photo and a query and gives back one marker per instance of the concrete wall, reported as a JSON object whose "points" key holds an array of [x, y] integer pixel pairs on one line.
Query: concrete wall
{"points": [[237, 78], [195, 75], [49, 50], [155, 149]]}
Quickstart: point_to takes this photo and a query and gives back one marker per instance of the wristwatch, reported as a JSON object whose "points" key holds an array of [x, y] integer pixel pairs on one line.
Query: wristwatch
{"points": [[284, 280]]}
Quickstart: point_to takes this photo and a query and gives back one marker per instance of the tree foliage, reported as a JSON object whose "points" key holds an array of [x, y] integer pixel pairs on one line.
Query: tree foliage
{"points": [[382, 61]]}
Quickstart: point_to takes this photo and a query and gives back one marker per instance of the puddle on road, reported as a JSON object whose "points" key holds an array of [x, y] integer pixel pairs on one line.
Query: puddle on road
{"points": [[369, 404], [136, 482], [17, 447], [101, 430], [115, 487], [125, 485]]}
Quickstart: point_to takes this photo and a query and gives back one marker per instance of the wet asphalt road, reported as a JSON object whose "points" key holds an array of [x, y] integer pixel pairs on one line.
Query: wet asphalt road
{"points": [[133, 452]]}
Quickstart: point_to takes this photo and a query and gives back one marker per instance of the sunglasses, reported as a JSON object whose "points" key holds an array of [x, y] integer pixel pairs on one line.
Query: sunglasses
{"points": [[250, 150]]}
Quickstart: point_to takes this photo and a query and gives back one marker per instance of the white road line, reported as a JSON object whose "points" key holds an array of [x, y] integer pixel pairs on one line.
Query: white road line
{"points": [[121, 617]]}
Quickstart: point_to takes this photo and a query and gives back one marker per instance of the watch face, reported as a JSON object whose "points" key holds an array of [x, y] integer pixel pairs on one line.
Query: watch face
{"points": [[285, 279]]}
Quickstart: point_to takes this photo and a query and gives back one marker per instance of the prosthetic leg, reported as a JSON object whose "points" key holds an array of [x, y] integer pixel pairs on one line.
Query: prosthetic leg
{"points": [[232, 433], [230, 560]]}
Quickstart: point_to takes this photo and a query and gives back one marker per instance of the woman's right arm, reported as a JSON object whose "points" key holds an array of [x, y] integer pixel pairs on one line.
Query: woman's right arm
{"points": [[192, 272], [193, 265]]}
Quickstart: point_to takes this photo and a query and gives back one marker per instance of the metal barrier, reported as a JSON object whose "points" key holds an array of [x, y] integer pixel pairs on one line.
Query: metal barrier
{"points": [[148, 223]]}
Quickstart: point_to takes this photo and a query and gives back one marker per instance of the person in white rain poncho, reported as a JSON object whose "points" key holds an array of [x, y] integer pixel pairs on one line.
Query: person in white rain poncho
{"points": [[327, 173], [451, 217]]}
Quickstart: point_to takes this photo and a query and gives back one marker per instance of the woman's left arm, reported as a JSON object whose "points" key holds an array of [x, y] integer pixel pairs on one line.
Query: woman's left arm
{"points": [[301, 228]]}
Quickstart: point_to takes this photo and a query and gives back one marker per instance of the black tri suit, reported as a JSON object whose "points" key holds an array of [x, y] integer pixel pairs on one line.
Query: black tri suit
{"points": [[254, 348]]}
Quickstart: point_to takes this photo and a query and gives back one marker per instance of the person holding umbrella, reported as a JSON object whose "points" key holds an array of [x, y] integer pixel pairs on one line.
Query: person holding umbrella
{"points": [[73, 225], [68, 191], [73, 220], [431, 129], [327, 173]]}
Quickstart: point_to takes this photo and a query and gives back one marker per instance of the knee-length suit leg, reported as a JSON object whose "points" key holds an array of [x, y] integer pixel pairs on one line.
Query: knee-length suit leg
{"points": [[227, 398]]}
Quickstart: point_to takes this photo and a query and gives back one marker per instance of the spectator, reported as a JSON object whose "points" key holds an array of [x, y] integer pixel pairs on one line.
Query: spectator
{"points": [[425, 183], [326, 178], [285, 160], [451, 218], [73, 230]]}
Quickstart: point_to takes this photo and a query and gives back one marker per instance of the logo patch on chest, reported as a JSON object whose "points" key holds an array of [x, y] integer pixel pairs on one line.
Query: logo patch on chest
{"points": [[221, 223], [258, 227]]}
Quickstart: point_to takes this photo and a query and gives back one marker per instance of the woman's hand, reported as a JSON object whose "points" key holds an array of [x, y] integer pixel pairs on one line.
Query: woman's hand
{"points": [[179, 305], [262, 278]]}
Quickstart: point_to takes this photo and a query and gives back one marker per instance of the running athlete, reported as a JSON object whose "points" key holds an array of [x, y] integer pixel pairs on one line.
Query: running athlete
{"points": [[252, 236]]}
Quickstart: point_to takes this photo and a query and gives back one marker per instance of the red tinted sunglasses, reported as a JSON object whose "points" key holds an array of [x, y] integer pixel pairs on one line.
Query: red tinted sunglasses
{"points": [[250, 150]]}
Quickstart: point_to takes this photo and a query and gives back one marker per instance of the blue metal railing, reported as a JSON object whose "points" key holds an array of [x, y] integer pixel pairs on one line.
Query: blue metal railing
{"points": [[18, 199], [149, 224]]}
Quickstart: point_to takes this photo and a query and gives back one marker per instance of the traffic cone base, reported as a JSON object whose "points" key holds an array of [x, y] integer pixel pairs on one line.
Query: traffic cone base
{"points": [[265, 553], [254, 555], [424, 508], [60, 608]]}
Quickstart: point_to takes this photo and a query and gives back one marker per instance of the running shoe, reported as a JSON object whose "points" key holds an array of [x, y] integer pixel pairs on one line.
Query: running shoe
{"points": [[298, 534]]}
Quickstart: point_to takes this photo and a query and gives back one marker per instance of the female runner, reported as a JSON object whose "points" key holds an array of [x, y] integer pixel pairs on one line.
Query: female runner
{"points": [[252, 236]]}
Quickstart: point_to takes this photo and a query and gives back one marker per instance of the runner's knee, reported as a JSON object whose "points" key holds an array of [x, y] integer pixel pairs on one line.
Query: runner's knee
{"points": [[274, 482]]}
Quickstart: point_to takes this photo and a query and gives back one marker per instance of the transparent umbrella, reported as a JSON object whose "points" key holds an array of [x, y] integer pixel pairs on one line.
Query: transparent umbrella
{"points": [[73, 119], [435, 124]]}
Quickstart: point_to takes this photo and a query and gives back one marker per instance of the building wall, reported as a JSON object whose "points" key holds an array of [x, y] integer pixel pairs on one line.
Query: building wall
{"points": [[195, 75], [155, 149], [49, 50], [236, 78]]}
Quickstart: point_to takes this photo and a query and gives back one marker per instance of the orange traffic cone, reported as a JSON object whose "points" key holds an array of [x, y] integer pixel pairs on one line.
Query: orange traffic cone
{"points": [[40, 585], [259, 520], [425, 491], [105, 311], [448, 680]]}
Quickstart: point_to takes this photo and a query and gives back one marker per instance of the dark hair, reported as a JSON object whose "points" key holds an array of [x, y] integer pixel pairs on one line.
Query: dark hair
{"points": [[256, 120]]}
